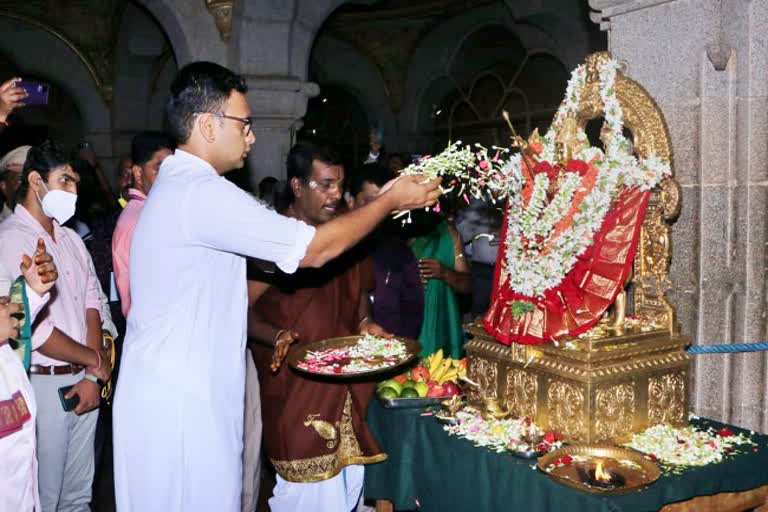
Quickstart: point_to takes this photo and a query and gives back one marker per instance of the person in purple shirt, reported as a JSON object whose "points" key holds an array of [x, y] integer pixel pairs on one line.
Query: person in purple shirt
{"points": [[398, 299]]}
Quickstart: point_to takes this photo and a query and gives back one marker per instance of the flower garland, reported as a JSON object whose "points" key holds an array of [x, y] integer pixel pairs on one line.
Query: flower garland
{"points": [[537, 267], [687, 446], [502, 435], [553, 218]]}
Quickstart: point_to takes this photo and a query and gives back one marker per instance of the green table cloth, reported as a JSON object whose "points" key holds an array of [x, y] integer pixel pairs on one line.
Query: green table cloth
{"points": [[447, 473]]}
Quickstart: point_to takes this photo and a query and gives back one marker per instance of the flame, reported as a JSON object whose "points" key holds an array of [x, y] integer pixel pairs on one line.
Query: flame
{"points": [[600, 474]]}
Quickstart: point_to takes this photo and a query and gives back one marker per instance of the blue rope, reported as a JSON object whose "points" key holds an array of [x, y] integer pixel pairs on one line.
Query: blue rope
{"points": [[727, 349]]}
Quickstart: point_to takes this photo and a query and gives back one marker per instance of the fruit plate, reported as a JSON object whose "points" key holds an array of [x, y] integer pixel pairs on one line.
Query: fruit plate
{"points": [[407, 403], [297, 357]]}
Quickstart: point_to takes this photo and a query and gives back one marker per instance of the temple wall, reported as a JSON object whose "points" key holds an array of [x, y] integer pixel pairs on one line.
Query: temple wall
{"points": [[706, 63]]}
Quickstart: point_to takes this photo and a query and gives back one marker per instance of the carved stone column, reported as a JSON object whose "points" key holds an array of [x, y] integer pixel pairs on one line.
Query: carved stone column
{"points": [[278, 104], [705, 63]]}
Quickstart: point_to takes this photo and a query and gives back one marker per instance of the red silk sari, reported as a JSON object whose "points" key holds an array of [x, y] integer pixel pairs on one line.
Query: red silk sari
{"points": [[586, 292]]}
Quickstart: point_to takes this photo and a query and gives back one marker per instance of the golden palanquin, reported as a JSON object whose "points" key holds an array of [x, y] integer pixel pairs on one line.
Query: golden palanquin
{"points": [[628, 372]]}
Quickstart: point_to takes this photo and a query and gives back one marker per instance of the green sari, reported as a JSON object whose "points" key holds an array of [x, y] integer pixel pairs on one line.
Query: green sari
{"points": [[442, 326]]}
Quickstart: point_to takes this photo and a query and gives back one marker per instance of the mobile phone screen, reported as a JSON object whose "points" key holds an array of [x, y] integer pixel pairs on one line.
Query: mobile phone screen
{"points": [[37, 91]]}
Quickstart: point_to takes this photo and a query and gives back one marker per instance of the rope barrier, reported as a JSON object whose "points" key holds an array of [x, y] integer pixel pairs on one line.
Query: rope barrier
{"points": [[728, 349]]}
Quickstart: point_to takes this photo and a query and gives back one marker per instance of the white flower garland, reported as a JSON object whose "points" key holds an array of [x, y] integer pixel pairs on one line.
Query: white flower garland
{"points": [[537, 262], [533, 271]]}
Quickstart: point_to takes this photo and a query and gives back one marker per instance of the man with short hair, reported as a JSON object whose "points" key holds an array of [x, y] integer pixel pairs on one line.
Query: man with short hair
{"points": [[124, 180], [71, 321], [11, 166], [148, 150], [178, 413], [316, 470]]}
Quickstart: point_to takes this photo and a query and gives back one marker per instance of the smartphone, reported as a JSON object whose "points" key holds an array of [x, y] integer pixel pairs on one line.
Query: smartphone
{"points": [[37, 91], [68, 404]]}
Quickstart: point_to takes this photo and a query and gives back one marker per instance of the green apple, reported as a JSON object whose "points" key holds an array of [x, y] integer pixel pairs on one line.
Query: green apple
{"points": [[421, 388], [392, 384]]}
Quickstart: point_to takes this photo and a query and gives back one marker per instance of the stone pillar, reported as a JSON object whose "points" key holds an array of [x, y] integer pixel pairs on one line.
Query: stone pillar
{"points": [[705, 63], [278, 106]]}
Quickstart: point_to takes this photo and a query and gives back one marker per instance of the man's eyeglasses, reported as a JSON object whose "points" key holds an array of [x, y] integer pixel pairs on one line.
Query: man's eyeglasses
{"points": [[247, 121], [327, 186]]}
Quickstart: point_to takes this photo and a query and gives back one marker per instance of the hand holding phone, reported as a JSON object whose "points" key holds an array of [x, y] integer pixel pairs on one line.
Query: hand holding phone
{"points": [[11, 97], [37, 92], [68, 404]]}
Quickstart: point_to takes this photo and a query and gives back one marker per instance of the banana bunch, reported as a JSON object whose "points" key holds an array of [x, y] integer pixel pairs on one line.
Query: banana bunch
{"points": [[443, 369], [434, 361]]}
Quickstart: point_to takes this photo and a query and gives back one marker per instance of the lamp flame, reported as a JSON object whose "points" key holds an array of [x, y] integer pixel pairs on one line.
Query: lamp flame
{"points": [[600, 474]]}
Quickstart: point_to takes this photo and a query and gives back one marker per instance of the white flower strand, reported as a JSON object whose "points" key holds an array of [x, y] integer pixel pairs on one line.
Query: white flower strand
{"points": [[541, 262]]}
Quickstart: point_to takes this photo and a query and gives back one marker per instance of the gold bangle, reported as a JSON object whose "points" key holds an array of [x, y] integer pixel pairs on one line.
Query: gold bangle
{"points": [[279, 333]]}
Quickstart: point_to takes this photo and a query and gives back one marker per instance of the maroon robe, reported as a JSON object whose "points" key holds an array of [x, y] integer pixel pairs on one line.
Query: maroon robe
{"points": [[313, 428]]}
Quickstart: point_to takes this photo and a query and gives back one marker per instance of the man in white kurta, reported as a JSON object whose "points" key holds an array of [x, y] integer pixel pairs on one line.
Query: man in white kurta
{"points": [[179, 404], [178, 412]]}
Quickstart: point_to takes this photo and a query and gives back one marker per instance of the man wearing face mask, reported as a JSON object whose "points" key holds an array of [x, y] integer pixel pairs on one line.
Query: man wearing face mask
{"points": [[69, 330]]}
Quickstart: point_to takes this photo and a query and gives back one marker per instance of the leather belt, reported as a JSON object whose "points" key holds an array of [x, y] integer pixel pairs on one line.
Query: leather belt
{"points": [[65, 369]]}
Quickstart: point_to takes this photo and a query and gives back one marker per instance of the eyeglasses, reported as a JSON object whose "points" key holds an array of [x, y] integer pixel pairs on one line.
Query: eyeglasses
{"points": [[247, 121], [327, 186]]}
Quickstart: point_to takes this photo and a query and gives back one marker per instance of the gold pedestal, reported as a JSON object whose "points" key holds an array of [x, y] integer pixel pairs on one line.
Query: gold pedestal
{"points": [[590, 390]]}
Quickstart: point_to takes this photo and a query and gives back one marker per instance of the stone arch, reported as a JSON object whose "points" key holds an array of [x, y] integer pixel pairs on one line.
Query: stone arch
{"points": [[554, 26], [492, 68], [51, 57], [335, 62], [190, 29], [439, 47], [310, 16], [144, 65]]}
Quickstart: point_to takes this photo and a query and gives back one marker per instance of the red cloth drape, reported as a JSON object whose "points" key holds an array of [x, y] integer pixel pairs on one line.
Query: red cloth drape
{"points": [[591, 286]]}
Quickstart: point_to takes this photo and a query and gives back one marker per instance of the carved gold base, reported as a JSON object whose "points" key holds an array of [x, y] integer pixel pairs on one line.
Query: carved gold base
{"points": [[596, 390]]}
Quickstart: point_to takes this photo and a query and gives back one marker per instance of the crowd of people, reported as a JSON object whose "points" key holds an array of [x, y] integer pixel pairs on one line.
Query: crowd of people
{"points": [[206, 289]]}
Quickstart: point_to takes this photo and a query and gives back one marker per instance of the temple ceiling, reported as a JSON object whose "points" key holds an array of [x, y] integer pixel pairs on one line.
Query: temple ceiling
{"points": [[89, 27], [389, 33]]}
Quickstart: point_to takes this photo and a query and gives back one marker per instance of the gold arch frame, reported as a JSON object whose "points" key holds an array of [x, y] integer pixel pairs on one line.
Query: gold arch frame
{"points": [[650, 134]]}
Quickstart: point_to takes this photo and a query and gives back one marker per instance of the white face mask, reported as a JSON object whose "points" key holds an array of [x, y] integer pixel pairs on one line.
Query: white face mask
{"points": [[58, 204]]}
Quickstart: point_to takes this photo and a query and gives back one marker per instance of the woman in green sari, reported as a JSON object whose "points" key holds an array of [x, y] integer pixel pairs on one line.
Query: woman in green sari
{"points": [[445, 272]]}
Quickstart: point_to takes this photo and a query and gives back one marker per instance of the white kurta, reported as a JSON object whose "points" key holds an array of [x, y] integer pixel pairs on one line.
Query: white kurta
{"points": [[18, 469], [178, 412]]}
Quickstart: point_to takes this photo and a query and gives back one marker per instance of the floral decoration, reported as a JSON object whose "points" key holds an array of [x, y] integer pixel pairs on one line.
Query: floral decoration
{"points": [[554, 210], [688, 446], [503, 435]]}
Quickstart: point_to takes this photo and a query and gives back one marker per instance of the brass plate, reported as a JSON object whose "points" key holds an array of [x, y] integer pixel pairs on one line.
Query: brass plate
{"points": [[651, 470], [298, 354]]}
